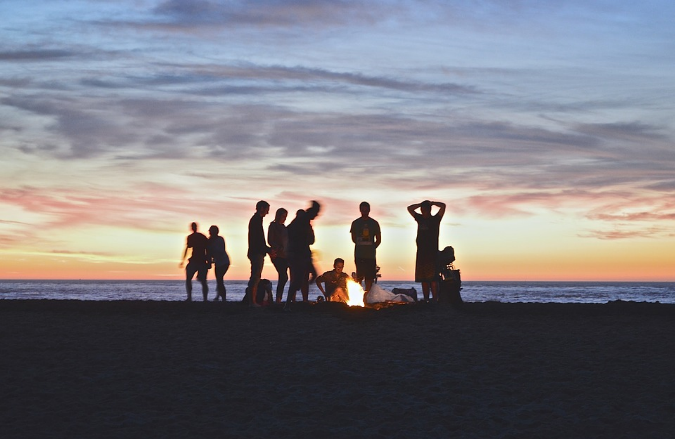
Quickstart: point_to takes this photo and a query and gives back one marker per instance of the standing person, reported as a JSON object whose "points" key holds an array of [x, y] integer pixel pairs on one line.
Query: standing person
{"points": [[336, 282], [257, 248], [426, 266], [300, 237], [367, 237], [277, 238], [218, 254], [198, 262]]}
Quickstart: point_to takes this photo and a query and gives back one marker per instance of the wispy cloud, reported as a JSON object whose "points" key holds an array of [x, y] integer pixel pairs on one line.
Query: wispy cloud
{"points": [[36, 55], [630, 131], [625, 233], [272, 13]]}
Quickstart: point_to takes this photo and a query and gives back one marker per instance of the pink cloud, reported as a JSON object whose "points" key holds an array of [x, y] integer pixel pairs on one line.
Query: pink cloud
{"points": [[150, 207], [619, 233]]}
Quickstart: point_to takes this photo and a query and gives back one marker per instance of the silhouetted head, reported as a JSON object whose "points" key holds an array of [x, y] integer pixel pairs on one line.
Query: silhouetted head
{"points": [[425, 208], [339, 264], [193, 226], [364, 208], [281, 215], [213, 230], [314, 209], [262, 207], [447, 255]]}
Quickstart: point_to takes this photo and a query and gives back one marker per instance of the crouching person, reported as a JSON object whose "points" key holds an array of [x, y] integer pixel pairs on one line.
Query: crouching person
{"points": [[263, 294], [335, 282]]}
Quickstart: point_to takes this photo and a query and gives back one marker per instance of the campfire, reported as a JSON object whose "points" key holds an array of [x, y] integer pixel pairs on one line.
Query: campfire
{"points": [[355, 293]]}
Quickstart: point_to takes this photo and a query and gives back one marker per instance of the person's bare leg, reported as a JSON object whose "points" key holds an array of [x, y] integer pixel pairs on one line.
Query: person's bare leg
{"points": [[188, 289], [425, 291], [254, 293], [434, 291], [369, 285], [205, 287], [305, 291]]}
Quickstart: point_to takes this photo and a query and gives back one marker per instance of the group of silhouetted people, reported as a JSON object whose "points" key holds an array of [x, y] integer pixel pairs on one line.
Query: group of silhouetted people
{"points": [[289, 250], [205, 253]]}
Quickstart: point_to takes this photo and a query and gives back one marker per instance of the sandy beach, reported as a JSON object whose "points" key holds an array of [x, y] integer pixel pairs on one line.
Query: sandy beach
{"points": [[168, 369]]}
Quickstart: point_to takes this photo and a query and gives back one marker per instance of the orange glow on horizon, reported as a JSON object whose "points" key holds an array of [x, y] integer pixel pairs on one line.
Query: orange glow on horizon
{"points": [[152, 256]]}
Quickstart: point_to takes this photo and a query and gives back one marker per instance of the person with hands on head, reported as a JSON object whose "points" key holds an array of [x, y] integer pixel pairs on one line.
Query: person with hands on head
{"points": [[426, 260]]}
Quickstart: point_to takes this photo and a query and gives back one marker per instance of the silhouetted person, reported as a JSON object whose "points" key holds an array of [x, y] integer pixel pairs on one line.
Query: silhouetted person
{"points": [[277, 238], [257, 248], [335, 281], [220, 259], [426, 262], [366, 237], [198, 262], [300, 237]]}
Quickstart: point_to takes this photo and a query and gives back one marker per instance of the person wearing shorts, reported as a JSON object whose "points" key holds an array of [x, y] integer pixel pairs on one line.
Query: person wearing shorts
{"points": [[198, 262], [366, 237]]}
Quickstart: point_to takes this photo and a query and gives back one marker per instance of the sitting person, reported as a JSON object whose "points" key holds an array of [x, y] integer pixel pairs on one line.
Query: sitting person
{"points": [[336, 282], [263, 296]]}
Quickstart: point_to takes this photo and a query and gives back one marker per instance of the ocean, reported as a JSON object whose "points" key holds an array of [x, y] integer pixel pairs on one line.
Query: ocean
{"points": [[472, 291]]}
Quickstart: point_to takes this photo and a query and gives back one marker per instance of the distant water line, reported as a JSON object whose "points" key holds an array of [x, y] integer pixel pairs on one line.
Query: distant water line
{"points": [[472, 291]]}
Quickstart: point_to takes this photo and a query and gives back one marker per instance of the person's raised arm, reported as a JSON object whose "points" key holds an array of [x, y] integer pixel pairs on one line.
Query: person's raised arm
{"points": [[441, 208], [412, 207]]}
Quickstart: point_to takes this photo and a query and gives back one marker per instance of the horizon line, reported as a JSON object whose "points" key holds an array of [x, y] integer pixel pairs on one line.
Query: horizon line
{"points": [[393, 280]]}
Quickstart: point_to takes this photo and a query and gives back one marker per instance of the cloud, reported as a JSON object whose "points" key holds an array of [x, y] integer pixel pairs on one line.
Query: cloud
{"points": [[638, 216], [254, 79], [87, 134], [628, 131], [431, 151], [616, 234], [314, 75], [271, 13], [15, 82], [36, 55], [147, 207], [637, 209]]}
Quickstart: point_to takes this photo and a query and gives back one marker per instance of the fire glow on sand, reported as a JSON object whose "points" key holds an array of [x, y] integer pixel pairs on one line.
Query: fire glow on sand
{"points": [[355, 293]]}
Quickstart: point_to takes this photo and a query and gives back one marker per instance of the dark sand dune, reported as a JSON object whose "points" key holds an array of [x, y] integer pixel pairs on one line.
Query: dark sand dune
{"points": [[166, 369]]}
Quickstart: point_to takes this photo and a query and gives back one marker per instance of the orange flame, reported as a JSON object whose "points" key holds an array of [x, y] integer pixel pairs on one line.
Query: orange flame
{"points": [[355, 293]]}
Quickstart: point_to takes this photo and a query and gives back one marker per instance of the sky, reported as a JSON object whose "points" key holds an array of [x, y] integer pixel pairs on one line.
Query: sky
{"points": [[546, 127]]}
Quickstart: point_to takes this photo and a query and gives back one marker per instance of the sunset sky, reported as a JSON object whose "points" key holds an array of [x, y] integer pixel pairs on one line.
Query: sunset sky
{"points": [[546, 127]]}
